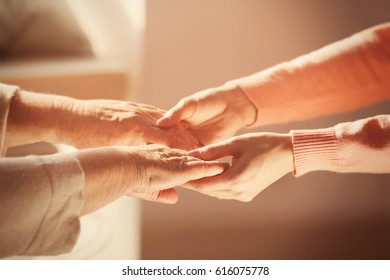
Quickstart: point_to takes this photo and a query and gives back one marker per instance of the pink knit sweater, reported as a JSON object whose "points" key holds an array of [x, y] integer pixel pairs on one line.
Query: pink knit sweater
{"points": [[343, 76]]}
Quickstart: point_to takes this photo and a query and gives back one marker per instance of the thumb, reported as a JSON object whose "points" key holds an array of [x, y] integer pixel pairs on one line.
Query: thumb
{"points": [[181, 111]]}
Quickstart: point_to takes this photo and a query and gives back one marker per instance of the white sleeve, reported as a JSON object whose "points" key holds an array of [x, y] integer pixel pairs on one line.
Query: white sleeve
{"points": [[6, 94], [40, 198]]}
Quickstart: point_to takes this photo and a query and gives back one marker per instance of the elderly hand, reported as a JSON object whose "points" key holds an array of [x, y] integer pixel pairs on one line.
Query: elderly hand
{"points": [[148, 172], [212, 115], [259, 159], [89, 123], [108, 123]]}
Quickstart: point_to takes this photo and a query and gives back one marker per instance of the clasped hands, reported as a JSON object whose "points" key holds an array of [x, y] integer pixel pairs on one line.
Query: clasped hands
{"points": [[113, 138], [203, 125], [199, 130], [213, 116]]}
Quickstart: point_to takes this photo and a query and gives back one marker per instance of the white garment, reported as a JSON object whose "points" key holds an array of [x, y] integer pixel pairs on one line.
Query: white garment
{"points": [[40, 198]]}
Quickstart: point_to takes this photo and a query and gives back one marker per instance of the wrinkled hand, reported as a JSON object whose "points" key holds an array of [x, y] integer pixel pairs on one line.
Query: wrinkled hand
{"points": [[94, 123], [259, 159], [212, 115], [161, 168], [148, 172]]}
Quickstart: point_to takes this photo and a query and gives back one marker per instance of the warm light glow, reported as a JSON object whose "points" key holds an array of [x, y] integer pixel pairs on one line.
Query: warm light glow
{"points": [[135, 12]]}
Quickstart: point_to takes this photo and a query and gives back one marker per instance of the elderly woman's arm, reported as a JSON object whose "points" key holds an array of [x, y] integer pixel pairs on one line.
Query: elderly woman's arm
{"points": [[42, 197], [56, 119], [150, 172]]}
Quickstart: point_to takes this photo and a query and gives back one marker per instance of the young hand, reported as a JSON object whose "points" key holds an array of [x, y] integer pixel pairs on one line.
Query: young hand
{"points": [[258, 160], [212, 115]]}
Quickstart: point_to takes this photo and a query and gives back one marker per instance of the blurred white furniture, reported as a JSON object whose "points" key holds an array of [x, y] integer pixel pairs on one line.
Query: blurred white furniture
{"points": [[113, 232], [82, 78]]}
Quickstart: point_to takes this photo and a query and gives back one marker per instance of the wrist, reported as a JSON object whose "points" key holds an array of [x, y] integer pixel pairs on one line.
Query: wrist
{"points": [[109, 173], [244, 107], [73, 121]]}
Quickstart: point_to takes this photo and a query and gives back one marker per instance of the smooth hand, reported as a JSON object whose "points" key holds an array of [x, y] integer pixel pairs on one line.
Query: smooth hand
{"points": [[212, 115], [258, 160]]}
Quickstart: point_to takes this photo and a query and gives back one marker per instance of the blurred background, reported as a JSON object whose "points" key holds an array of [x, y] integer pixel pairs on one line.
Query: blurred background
{"points": [[157, 52]]}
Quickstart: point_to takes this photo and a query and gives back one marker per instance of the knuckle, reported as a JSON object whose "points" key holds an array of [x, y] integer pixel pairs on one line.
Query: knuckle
{"points": [[209, 150], [153, 196], [181, 166], [205, 167]]}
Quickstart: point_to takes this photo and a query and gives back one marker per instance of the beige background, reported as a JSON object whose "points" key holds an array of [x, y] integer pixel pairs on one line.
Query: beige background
{"points": [[194, 44]]}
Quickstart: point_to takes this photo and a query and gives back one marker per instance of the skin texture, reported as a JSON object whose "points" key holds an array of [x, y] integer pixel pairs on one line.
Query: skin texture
{"points": [[110, 122], [89, 123], [212, 115], [148, 172], [258, 160]]}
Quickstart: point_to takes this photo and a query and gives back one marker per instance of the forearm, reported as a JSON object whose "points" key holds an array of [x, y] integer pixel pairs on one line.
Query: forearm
{"points": [[109, 174], [41, 198], [36, 117], [343, 76], [360, 146]]}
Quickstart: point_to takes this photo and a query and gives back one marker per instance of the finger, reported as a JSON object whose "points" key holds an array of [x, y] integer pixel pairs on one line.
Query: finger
{"points": [[151, 116], [230, 178], [155, 113], [168, 196], [215, 151], [181, 111], [220, 194], [174, 138], [160, 136], [208, 184], [194, 170], [223, 194], [182, 139], [149, 107]]}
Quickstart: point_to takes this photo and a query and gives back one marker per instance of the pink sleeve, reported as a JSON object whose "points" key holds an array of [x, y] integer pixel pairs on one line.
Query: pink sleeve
{"points": [[361, 146], [343, 76]]}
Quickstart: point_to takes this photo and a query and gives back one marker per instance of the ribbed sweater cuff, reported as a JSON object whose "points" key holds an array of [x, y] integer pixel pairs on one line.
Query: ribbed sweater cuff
{"points": [[266, 95], [314, 150]]}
